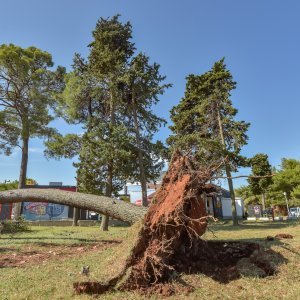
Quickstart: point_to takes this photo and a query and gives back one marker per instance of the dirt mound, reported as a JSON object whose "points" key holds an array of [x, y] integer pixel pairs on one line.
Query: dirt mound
{"points": [[283, 236]]}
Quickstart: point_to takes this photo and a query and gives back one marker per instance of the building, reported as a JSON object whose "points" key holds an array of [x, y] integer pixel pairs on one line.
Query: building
{"points": [[218, 204]]}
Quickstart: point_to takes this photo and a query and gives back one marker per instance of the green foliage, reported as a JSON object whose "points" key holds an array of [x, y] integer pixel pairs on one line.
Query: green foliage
{"points": [[143, 84], [28, 90], [66, 146], [260, 167], [13, 226], [196, 127], [9, 186], [101, 145], [14, 184], [111, 49], [287, 180], [98, 95], [246, 194], [125, 198]]}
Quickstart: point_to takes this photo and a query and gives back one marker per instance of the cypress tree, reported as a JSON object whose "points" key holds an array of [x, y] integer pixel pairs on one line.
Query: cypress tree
{"points": [[205, 124]]}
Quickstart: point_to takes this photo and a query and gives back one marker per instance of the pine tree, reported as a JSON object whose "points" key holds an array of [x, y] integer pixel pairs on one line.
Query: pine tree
{"points": [[260, 167], [205, 125], [27, 92], [143, 85]]}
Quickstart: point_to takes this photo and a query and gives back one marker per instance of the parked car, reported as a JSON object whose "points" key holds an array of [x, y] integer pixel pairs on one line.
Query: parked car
{"points": [[294, 212]]}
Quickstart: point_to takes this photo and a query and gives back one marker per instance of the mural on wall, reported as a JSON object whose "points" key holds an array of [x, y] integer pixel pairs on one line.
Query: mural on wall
{"points": [[44, 211]]}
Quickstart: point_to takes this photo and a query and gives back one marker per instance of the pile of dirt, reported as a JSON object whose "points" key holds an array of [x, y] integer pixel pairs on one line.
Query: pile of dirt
{"points": [[283, 236]]}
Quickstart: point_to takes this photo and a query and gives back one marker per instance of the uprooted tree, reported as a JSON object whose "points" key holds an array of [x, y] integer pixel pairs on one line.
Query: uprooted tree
{"points": [[169, 238]]}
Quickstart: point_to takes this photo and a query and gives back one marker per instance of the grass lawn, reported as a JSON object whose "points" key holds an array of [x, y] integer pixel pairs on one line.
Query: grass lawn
{"points": [[44, 263]]}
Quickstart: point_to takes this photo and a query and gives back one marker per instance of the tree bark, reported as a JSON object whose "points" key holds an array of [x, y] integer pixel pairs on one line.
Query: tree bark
{"points": [[110, 172], [75, 216], [263, 200], [23, 175], [140, 155], [117, 209], [228, 174]]}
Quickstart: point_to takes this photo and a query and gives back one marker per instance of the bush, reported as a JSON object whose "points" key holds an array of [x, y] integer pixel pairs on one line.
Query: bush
{"points": [[13, 226]]}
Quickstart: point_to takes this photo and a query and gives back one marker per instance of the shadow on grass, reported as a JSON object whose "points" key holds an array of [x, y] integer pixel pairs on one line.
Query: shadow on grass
{"points": [[225, 260], [3, 250]]}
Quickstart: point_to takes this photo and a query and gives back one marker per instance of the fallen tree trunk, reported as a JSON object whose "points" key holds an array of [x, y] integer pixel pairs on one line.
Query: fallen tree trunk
{"points": [[117, 209]]}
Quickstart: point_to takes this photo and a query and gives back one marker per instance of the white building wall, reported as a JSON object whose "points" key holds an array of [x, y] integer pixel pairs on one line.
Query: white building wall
{"points": [[135, 191], [226, 207]]}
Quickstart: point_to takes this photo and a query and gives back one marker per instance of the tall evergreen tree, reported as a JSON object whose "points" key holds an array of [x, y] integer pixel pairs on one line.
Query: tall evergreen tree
{"points": [[143, 87], [205, 124], [98, 95], [260, 167], [109, 55], [27, 92]]}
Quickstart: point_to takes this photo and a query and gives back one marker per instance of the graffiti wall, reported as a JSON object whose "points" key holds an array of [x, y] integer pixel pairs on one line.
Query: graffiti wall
{"points": [[35, 211]]}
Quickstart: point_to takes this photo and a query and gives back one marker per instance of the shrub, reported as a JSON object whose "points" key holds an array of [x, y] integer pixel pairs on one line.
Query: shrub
{"points": [[13, 226]]}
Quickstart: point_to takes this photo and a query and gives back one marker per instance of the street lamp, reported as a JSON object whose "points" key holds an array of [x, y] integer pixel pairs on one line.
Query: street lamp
{"points": [[286, 200]]}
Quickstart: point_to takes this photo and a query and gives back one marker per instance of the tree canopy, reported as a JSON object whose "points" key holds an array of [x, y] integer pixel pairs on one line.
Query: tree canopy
{"points": [[111, 94], [28, 87], [286, 179]]}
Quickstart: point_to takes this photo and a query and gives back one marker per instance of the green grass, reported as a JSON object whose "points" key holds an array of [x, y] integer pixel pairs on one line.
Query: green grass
{"points": [[53, 279]]}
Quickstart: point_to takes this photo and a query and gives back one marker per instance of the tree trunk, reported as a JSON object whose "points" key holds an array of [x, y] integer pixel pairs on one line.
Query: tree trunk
{"points": [[23, 175], [228, 174], [232, 195], [263, 200], [108, 193], [140, 156], [109, 182], [104, 223], [117, 209], [75, 216]]}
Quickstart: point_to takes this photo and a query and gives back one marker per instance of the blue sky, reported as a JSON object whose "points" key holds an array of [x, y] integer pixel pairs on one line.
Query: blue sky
{"points": [[260, 40]]}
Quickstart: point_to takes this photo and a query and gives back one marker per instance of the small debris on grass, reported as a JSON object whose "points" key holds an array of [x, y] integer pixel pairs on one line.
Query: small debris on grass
{"points": [[85, 270], [283, 236]]}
